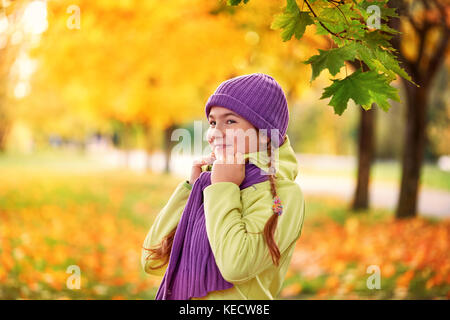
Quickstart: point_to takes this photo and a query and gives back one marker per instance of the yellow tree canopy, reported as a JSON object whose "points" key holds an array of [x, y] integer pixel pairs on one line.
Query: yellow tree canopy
{"points": [[152, 62]]}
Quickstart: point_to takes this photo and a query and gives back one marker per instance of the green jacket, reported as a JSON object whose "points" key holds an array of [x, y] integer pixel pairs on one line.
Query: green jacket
{"points": [[234, 221]]}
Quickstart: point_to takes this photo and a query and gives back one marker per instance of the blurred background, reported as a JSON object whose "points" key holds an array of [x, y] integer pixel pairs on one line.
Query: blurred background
{"points": [[91, 92]]}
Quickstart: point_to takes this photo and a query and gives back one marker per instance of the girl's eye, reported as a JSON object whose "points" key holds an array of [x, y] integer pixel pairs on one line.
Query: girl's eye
{"points": [[212, 122]]}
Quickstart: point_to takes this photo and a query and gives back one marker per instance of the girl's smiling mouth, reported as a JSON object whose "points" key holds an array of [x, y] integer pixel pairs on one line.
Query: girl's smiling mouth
{"points": [[222, 145]]}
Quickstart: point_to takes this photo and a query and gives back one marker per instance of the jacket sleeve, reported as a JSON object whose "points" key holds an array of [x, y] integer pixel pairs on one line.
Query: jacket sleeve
{"points": [[165, 221], [236, 237]]}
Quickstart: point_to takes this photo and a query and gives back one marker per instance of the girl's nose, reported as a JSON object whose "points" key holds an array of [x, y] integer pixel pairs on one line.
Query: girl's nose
{"points": [[215, 133]]}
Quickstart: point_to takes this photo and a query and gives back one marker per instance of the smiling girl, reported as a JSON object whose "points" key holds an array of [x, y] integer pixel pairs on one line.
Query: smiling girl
{"points": [[230, 231]]}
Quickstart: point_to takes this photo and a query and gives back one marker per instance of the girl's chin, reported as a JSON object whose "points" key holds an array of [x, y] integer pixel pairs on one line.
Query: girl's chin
{"points": [[228, 150], [220, 149]]}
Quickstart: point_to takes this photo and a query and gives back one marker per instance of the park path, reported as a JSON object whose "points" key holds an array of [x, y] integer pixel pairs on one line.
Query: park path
{"points": [[382, 194], [431, 202]]}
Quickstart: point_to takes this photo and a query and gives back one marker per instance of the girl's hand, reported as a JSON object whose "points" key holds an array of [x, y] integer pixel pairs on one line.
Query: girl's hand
{"points": [[229, 169], [197, 166]]}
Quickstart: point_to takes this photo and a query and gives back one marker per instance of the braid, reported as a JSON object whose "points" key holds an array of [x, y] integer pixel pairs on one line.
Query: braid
{"points": [[162, 250], [271, 224]]}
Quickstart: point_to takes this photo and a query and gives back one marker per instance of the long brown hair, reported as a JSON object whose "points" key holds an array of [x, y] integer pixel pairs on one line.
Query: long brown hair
{"points": [[163, 249]]}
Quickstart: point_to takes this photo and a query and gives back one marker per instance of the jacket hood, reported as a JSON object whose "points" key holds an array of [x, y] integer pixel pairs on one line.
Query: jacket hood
{"points": [[285, 161]]}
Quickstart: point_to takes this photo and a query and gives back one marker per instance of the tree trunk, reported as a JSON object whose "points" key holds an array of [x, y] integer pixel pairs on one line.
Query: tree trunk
{"points": [[168, 146], [413, 152], [365, 158], [127, 139], [148, 145], [3, 134], [5, 127]]}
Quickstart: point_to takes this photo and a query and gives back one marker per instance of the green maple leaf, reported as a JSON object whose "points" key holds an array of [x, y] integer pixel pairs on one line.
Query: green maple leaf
{"points": [[336, 20], [332, 25], [332, 59], [376, 38], [389, 64], [292, 21], [385, 11], [388, 29], [364, 88], [235, 2], [381, 60]]}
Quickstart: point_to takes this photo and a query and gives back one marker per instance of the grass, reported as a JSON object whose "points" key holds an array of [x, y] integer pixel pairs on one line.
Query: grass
{"points": [[55, 213]]}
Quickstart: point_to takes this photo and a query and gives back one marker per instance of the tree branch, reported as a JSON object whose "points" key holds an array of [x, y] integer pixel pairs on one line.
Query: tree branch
{"points": [[443, 12], [425, 4], [438, 56], [323, 26], [395, 23], [422, 35], [438, 53], [413, 24]]}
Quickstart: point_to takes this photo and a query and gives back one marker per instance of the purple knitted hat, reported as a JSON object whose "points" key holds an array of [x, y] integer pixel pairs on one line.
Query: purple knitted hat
{"points": [[258, 98]]}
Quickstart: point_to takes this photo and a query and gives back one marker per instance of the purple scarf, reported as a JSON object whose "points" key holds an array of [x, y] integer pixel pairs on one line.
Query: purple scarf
{"points": [[192, 269]]}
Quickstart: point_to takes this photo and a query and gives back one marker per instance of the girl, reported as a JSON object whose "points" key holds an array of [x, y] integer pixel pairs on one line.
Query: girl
{"points": [[230, 231]]}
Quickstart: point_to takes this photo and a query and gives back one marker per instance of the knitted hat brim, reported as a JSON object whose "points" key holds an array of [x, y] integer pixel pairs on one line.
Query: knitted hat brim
{"points": [[229, 102]]}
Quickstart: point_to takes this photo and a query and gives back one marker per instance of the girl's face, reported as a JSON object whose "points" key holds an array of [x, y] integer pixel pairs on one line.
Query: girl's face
{"points": [[229, 133]]}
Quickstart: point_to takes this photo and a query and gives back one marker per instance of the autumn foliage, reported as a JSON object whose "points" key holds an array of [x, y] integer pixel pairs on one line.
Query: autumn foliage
{"points": [[50, 220]]}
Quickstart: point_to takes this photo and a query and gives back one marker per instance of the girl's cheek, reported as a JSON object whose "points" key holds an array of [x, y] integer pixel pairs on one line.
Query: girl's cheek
{"points": [[235, 144], [209, 137], [240, 144]]}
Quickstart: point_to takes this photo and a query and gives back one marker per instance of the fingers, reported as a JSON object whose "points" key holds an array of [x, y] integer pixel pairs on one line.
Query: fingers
{"points": [[239, 158], [211, 158], [205, 160], [231, 158]]}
